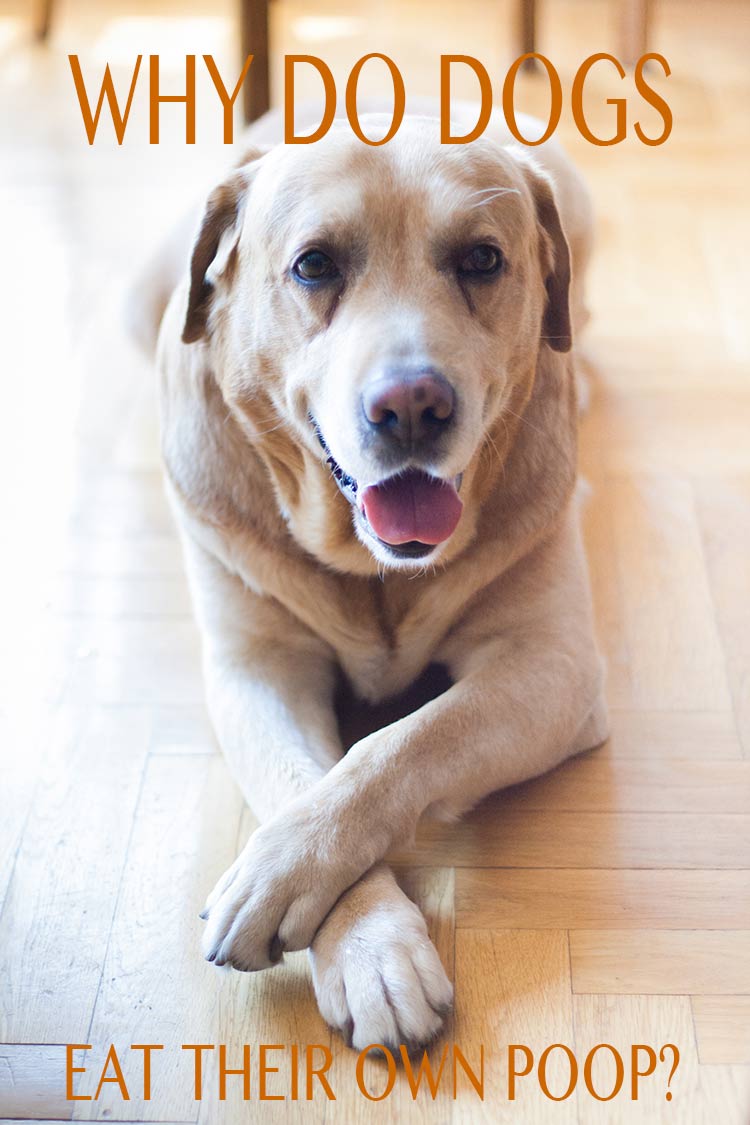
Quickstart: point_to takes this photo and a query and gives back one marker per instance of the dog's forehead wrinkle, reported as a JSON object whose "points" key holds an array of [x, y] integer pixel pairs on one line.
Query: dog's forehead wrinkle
{"points": [[403, 195], [439, 189]]}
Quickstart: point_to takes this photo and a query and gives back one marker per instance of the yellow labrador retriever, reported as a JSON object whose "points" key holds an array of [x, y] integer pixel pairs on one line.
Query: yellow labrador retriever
{"points": [[369, 428]]}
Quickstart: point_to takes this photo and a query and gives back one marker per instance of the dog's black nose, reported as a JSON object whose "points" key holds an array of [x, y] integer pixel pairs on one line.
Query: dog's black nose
{"points": [[409, 406]]}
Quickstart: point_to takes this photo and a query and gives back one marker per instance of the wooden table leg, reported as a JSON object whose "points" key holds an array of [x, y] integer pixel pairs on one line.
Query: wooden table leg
{"points": [[527, 26], [256, 90], [44, 20], [635, 24]]}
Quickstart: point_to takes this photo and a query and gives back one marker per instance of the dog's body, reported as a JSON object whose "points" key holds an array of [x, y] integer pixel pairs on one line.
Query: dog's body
{"points": [[430, 341]]}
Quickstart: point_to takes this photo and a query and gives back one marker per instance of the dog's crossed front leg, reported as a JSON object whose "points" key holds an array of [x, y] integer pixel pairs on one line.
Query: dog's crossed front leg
{"points": [[377, 976], [527, 695]]}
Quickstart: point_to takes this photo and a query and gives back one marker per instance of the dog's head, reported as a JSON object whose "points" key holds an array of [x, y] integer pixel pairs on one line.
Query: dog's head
{"points": [[383, 308]]}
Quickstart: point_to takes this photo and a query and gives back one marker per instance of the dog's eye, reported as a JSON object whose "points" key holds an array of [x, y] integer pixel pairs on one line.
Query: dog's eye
{"points": [[315, 266], [482, 260]]}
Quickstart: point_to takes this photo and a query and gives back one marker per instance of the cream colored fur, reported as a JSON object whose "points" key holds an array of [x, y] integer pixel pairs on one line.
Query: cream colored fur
{"points": [[289, 593]]}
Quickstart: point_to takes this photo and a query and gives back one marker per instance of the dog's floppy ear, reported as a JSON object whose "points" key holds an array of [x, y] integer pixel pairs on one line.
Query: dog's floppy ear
{"points": [[221, 217], [556, 330]]}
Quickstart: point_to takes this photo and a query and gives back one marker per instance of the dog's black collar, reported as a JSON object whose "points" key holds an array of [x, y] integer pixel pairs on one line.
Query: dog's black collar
{"points": [[347, 484]]}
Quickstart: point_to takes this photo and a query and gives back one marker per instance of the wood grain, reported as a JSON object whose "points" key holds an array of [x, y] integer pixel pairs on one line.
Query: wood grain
{"points": [[676, 658], [602, 900], [722, 1028], [155, 985], [67, 872], [602, 782], [23, 741], [513, 986], [32, 1081], [500, 834], [665, 961], [724, 513], [705, 735]]}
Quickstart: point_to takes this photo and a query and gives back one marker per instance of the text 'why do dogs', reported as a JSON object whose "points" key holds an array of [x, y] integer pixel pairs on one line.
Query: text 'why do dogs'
{"points": [[120, 108]]}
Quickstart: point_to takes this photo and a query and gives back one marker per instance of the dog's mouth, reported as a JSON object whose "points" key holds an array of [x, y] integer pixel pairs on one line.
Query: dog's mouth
{"points": [[409, 514]]}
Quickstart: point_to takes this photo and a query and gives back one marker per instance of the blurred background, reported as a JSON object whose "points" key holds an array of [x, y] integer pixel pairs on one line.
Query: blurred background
{"points": [[118, 813]]}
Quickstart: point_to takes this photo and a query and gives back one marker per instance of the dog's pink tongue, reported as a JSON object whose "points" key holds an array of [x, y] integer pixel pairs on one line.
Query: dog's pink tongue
{"points": [[414, 506]]}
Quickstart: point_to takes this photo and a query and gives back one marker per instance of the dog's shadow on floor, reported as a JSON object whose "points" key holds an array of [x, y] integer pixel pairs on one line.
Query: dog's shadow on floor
{"points": [[357, 718]]}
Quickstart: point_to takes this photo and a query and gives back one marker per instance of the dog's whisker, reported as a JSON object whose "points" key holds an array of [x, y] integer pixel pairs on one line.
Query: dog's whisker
{"points": [[497, 189], [546, 435], [496, 195], [259, 433], [490, 447], [273, 429]]}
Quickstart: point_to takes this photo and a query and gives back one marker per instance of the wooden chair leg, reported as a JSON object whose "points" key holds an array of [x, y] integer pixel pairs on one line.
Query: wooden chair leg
{"points": [[527, 25], [44, 20], [635, 26], [256, 91]]}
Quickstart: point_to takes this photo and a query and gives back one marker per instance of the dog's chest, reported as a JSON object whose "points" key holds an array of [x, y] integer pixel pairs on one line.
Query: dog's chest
{"points": [[398, 637], [378, 671]]}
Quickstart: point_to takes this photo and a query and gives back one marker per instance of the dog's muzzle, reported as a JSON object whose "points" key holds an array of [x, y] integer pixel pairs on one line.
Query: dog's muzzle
{"points": [[408, 514]]}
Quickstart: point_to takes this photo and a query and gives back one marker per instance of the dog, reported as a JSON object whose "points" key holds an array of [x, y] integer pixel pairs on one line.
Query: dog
{"points": [[368, 418]]}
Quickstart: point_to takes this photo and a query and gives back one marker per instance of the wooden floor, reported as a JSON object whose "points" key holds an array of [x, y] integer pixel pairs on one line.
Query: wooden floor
{"points": [[607, 903]]}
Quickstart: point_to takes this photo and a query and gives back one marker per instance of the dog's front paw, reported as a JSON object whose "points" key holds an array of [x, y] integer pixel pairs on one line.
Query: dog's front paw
{"points": [[377, 975], [275, 894]]}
